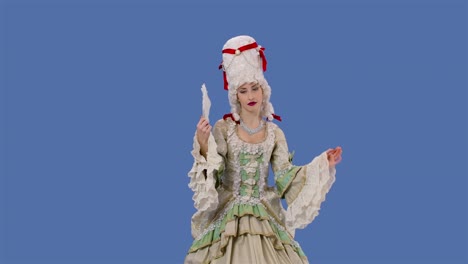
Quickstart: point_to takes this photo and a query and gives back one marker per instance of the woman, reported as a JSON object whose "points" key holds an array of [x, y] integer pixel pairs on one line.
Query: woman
{"points": [[239, 218]]}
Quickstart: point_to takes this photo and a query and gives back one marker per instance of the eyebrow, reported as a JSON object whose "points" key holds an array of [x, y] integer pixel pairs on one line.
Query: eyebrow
{"points": [[252, 85]]}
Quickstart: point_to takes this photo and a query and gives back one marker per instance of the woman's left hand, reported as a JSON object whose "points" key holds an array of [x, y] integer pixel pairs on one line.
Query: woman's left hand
{"points": [[334, 156]]}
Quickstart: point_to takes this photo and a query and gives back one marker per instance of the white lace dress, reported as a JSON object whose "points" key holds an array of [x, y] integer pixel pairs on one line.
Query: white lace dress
{"points": [[239, 218]]}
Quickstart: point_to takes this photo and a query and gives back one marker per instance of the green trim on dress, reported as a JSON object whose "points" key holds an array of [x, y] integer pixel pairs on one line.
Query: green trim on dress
{"points": [[237, 211], [284, 178]]}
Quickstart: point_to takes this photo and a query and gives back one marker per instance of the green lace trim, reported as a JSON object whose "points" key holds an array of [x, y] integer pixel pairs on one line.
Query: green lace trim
{"points": [[239, 210], [284, 178]]}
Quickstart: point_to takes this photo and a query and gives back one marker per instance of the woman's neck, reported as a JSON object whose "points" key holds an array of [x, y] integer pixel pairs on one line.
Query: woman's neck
{"points": [[250, 119]]}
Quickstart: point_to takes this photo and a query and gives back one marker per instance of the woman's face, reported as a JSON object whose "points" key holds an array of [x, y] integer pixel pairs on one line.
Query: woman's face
{"points": [[250, 96]]}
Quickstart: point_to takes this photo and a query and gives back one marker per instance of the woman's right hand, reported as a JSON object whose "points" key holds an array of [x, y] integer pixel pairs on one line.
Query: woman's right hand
{"points": [[203, 133]]}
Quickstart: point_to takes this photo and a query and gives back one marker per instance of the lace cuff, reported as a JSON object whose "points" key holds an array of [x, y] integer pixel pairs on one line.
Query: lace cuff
{"points": [[203, 175], [318, 181]]}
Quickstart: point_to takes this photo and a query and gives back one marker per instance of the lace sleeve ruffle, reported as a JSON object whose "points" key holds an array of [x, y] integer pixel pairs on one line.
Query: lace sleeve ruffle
{"points": [[303, 187], [308, 191], [203, 176]]}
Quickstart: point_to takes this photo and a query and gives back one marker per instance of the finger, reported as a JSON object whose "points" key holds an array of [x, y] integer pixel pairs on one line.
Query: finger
{"points": [[336, 154], [203, 120], [200, 122], [206, 123], [203, 126], [338, 159]]}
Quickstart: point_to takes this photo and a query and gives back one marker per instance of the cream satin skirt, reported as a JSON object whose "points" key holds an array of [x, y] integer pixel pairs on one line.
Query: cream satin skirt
{"points": [[247, 241]]}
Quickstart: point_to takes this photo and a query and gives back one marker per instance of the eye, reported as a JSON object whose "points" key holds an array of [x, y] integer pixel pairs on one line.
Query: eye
{"points": [[255, 88], [242, 91]]}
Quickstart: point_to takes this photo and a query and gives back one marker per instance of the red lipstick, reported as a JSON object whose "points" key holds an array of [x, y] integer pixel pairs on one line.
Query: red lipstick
{"points": [[252, 103]]}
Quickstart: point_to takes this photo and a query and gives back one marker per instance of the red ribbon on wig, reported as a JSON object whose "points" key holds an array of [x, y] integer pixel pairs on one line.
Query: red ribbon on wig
{"points": [[226, 116], [253, 45], [277, 117], [224, 76]]}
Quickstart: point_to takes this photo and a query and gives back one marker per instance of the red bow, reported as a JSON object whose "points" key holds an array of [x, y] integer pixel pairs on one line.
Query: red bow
{"points": [[277, 117], [226, 116]]}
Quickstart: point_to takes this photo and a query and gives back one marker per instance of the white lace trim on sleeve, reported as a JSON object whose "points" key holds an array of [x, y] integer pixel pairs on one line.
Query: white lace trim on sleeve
{"points": [[319, 179], [203, 177]]}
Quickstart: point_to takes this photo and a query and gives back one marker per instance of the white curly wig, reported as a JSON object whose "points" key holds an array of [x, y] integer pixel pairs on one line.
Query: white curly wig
{"points": [[244, 62]]}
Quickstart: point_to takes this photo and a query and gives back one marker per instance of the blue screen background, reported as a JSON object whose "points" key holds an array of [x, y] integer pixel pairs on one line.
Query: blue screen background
{"points": [[99, 101]]}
